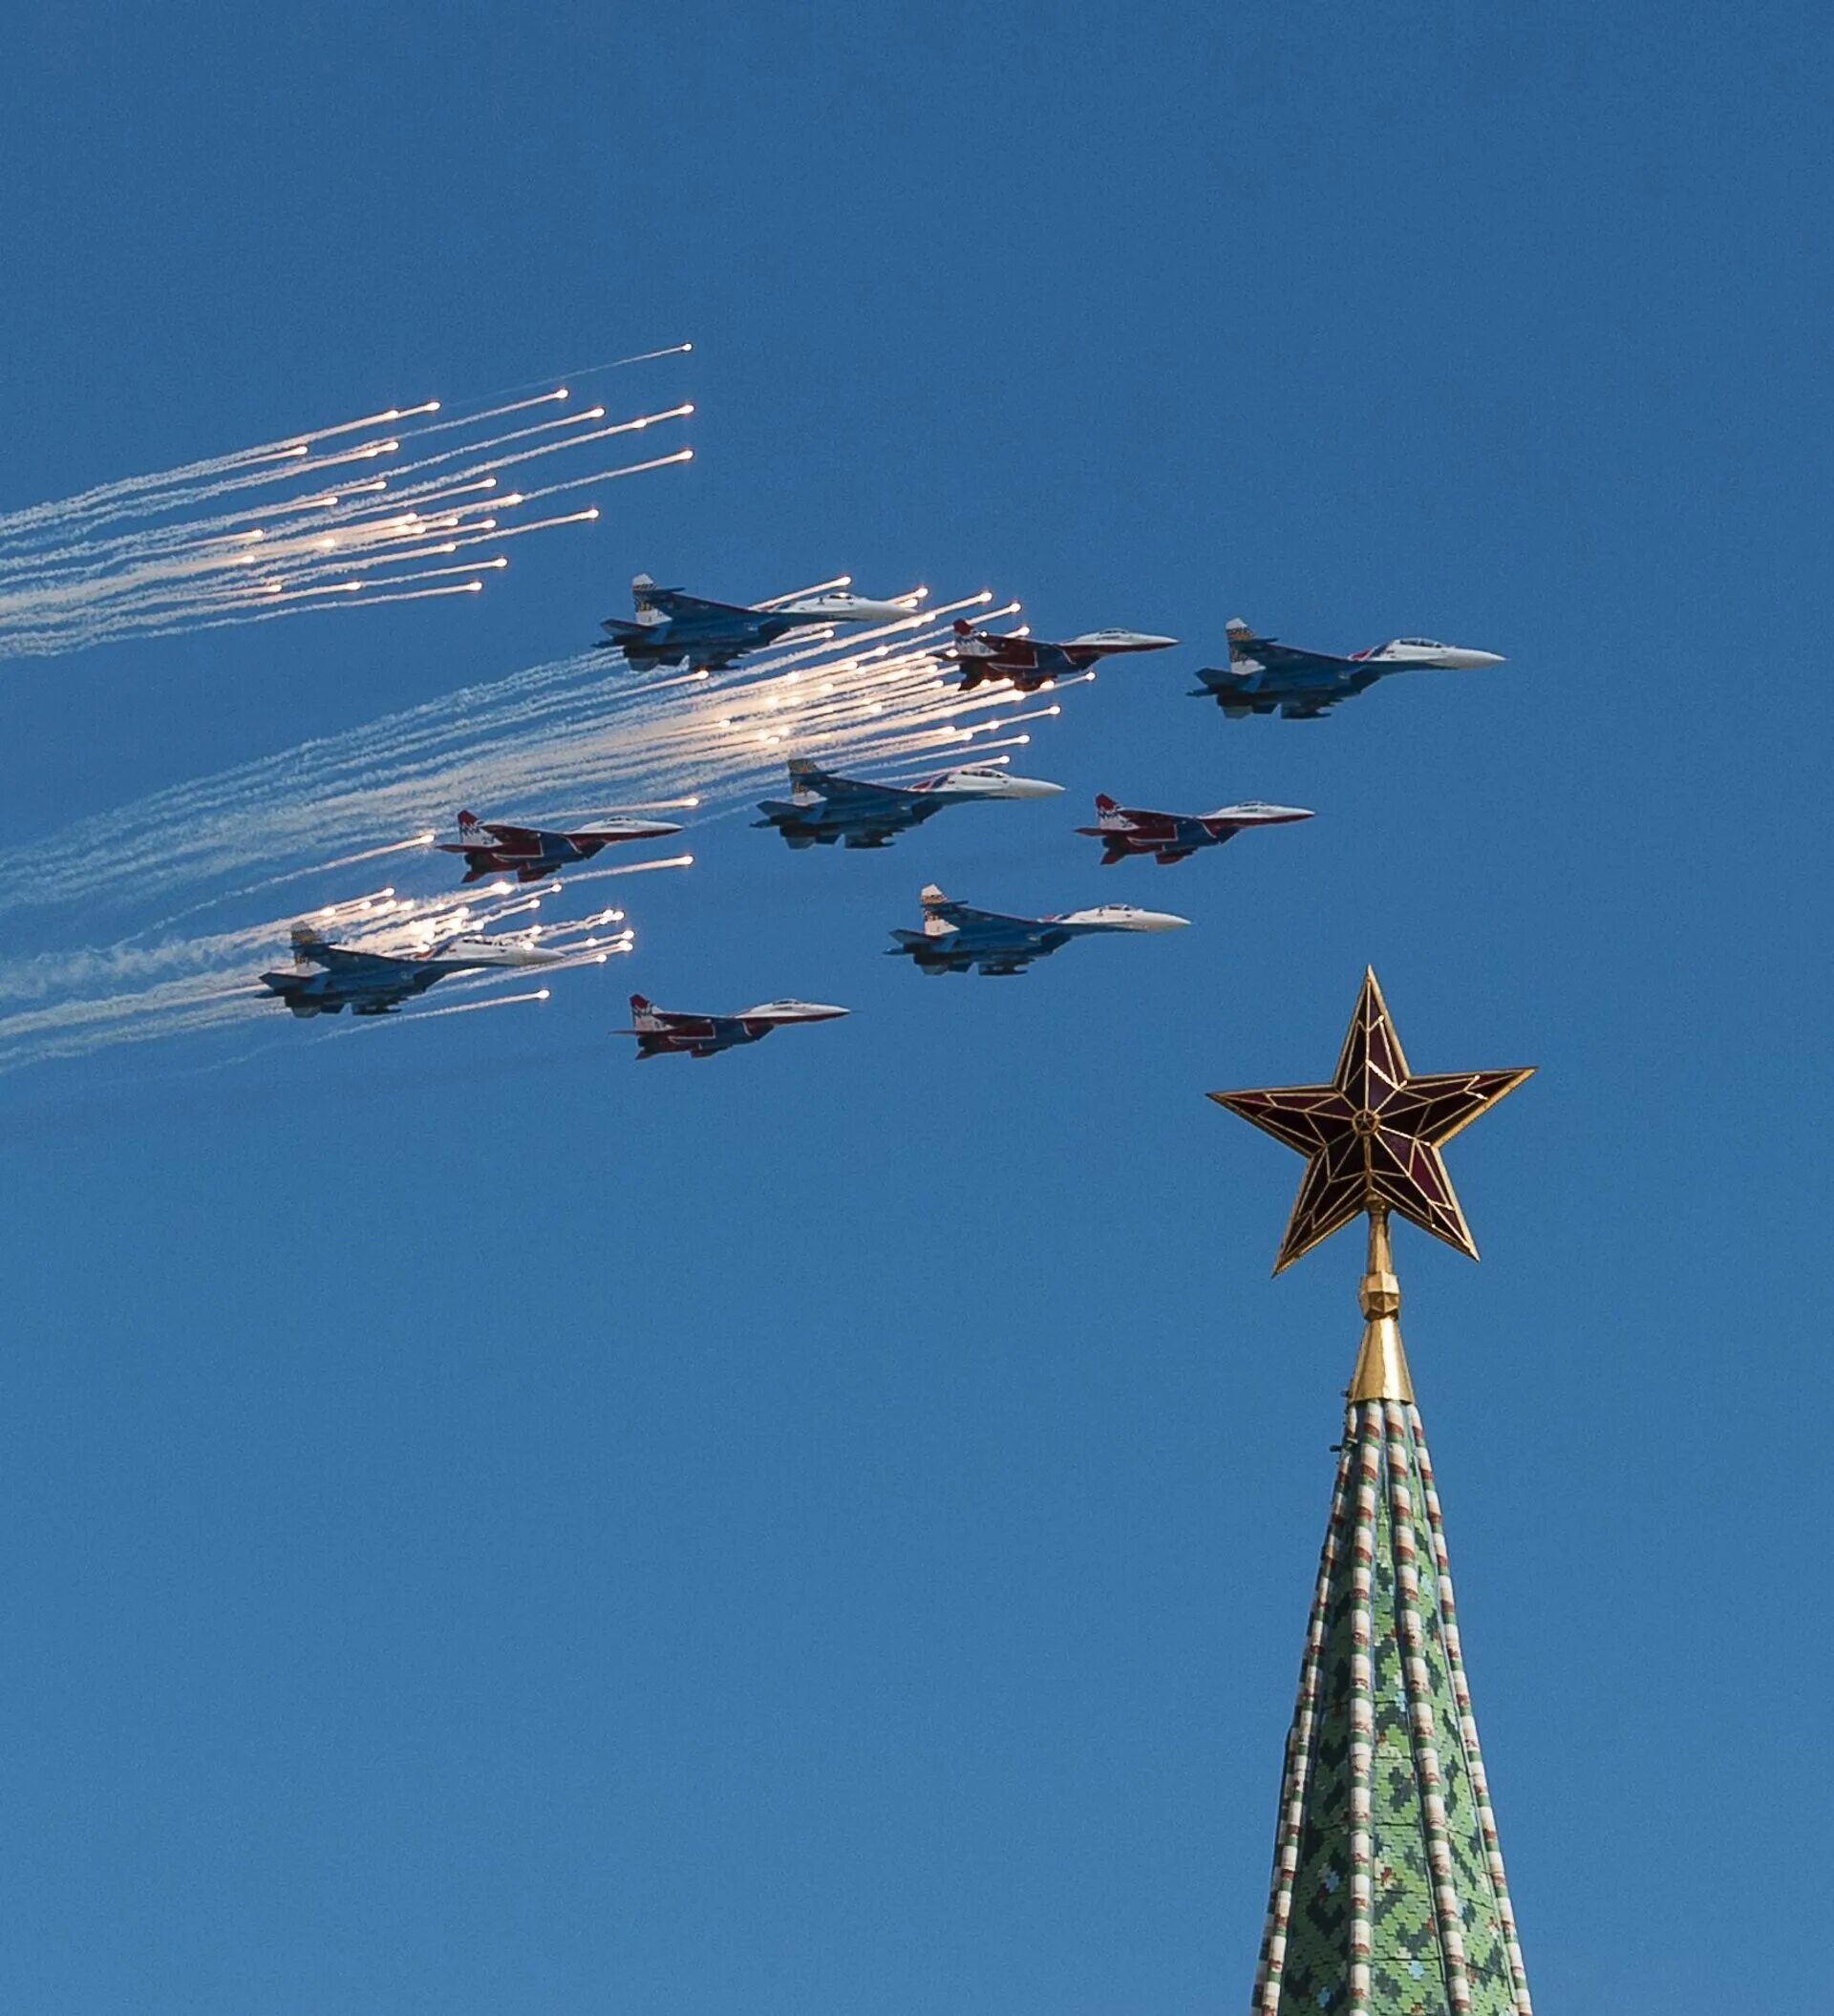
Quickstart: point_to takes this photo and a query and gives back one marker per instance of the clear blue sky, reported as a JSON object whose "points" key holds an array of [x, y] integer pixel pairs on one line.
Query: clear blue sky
{"points": [[485, 1527]]}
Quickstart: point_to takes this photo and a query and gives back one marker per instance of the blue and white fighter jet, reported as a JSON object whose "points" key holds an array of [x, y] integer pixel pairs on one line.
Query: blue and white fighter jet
{"points": [[822, 807], [955, 939], [1265, 676], [673, 628], [325, 979]]}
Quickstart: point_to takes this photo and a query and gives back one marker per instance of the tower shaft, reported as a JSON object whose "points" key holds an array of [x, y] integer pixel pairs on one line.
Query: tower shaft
{"points": [[1389, 1896]]}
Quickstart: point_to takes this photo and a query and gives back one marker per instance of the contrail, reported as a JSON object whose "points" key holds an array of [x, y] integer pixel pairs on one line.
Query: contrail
{"points": [[576, 730], [593, 875], [202, 547], [99, 998], [468, 1007], [589, 370]]}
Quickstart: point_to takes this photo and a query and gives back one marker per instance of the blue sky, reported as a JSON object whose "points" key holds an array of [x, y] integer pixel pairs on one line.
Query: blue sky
{"points": [[829, 1530]]}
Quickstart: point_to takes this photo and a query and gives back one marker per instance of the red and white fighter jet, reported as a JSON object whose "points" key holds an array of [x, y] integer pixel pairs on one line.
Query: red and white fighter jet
{"points": [[1029, 663], [1170, 836], [494, 847]]}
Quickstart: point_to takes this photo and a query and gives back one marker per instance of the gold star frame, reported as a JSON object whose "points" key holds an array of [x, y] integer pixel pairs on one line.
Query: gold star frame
{"points": [[1372, 1137]]}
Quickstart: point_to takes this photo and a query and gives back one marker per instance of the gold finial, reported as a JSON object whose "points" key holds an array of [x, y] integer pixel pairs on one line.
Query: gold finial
{"points": [[1381, 1363]]}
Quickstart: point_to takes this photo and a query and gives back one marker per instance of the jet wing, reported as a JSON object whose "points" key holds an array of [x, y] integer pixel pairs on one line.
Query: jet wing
{"points": [[681, 607], [1173, 836], [653, 647], [1141, 824], [694, 1026], [342, 959], [846, 790], [704, 1034], [1288, 658], [966, 918], [386, 989]]}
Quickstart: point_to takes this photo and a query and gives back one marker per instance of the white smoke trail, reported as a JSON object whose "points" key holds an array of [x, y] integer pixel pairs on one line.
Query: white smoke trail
{"points": [[550, 728], [551, 733], [155, 555]]}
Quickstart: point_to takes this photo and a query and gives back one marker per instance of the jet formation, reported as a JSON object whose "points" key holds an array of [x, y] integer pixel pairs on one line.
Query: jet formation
{"points": [[1265, 676], [826, 809]]}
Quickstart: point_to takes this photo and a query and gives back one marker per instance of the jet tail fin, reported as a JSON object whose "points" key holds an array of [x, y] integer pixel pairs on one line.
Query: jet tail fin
{"points": [[937, 911], [1242, 643], [643, 593], [809, 780], [305, 942], [644, 1018]]}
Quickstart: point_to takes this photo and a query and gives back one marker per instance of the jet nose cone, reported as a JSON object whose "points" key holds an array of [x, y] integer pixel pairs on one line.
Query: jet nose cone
{"points": [[1158, 920], [1030, 788], [858, 609], [1120, 640], [630, 828], [822, 1011], [1464, 661]]}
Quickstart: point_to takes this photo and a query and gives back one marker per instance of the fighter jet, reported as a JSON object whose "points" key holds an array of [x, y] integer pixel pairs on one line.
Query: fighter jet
{"points": [[529, 852], [661, 1033], [1029, 663], [676, 628], [956, 939], [822, 807], [378, 982], [1264, 676], [1170, 836]]}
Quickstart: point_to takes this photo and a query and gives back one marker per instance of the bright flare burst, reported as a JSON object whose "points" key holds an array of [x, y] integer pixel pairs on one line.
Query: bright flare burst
{"points": [[288, 526], [583, 730]]}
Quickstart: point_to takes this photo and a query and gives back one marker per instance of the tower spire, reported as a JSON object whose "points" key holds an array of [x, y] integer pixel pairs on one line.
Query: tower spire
{"points": [[1388, 1896], [1382, 1365]]}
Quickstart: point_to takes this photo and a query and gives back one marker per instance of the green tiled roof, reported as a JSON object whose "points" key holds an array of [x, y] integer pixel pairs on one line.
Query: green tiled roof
{"points": [[1389, 1897]]}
